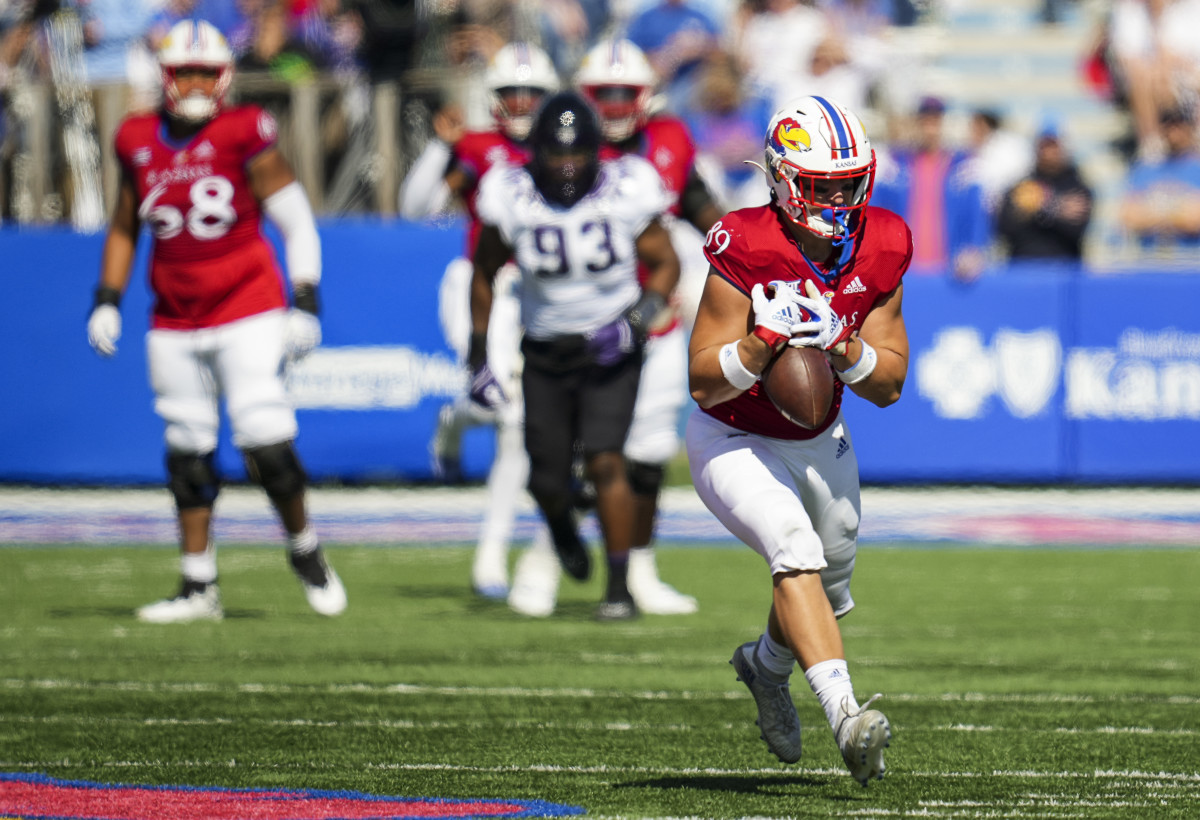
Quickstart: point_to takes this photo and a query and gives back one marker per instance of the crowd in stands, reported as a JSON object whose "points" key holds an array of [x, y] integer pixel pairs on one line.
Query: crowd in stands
{"points": [[724, 66]]}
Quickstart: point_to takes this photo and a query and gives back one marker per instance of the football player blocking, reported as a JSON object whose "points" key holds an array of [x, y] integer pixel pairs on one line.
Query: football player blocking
{"points": [[202, 176], [816, 268]]}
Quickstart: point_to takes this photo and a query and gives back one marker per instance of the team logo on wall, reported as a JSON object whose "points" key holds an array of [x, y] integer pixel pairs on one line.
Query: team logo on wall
{"points": [[1028, 366], [38, 797]]}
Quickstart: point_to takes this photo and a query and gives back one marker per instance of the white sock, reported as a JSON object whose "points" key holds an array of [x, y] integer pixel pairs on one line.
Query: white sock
{"points": [[830, 682], [774, 658], [200, 567], [303, 542]]}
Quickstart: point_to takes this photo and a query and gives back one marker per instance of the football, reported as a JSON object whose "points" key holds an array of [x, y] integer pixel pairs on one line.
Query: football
{"points": [[799, 382]]}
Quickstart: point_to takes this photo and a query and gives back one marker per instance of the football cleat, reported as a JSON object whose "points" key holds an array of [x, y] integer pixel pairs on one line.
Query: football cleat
{"points": [[650, 593], [862, 737], [777, 721], [619, 610], [535, 582], [322, 586], [195, 602]]}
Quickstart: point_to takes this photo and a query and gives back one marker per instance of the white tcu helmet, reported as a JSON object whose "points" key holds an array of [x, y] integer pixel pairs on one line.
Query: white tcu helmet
{"points": [[619, 82], [194, 44], [518, 76], [813, 145]]}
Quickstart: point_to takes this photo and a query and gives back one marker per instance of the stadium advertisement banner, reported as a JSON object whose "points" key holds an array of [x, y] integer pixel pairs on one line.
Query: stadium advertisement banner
{"points": [[1024, 376]]}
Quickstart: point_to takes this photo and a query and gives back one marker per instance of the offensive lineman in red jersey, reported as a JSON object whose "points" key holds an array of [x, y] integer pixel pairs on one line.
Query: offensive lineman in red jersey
{"points": [[618, 80], [817, 267], [201, 177]]}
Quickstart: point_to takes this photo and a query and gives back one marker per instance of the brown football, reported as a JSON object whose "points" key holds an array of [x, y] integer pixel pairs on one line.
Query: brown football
{"points": [[799, 381]]}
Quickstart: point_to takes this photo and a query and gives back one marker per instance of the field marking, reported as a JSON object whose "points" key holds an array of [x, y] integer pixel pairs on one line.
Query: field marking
{"points": [[544, 692], [538, 723]]}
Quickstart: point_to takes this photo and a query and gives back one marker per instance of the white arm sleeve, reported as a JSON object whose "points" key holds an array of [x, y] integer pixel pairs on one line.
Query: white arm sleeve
{"points": [[424, 191], [288, 208]]}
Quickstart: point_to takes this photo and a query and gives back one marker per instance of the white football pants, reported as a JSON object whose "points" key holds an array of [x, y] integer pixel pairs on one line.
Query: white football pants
{"points": [[796, 503], [662, 392], [242, 361]]}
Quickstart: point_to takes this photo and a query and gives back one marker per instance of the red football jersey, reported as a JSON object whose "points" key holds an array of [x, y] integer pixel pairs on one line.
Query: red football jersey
{"points": [[752, 246], [664, 141], [476, 152], [210, 263]]}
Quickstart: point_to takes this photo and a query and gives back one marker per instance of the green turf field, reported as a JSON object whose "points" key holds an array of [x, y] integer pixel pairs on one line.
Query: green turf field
{"points": [[1019, 683]]}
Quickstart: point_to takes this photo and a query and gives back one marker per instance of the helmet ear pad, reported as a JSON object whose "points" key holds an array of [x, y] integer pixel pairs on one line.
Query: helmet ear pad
{"points": [[565, 143]]}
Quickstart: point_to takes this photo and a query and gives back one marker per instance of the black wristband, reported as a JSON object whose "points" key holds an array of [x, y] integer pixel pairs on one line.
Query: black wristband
{"points": [[477, 352], [304, 297], [643, 312], [107, 296]]}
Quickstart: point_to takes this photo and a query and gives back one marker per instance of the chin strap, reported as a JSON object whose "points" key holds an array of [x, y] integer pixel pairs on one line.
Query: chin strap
{"points": [[843, 243]]}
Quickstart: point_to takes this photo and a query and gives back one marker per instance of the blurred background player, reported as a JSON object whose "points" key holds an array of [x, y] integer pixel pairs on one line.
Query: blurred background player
{"points": [[578, 228], [815, 268], [201, 176], [619, 81], [447, 174]]}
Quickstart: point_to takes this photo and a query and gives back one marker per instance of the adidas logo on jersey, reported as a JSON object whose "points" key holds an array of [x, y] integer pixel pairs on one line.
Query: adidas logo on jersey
{"points": [[204, 150], [843, 448], [855, 286]]}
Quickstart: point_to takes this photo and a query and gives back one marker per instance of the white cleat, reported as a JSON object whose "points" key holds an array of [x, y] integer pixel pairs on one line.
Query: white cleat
{"points": [[489, 573], [862, 737], [194, 602], [322, 586], [651, 594], [777, 721], [534, 590]]}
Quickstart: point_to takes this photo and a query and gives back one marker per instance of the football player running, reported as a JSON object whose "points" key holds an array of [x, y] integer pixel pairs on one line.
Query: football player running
{"points": [[578, 228], [618, 80], [447, 175], [201, 176], [817, 267]]}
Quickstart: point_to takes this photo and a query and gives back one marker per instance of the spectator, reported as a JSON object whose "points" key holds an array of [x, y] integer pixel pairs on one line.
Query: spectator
{"points": [[931, 186], [775, 41], [675, 36], [727, 121], [999, 157], [1157, 56], [115, 51], [1045, 215], [569, 28], [1161, 206]]}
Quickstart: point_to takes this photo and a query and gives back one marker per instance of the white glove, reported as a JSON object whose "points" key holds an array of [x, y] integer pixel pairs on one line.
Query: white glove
{"points": [[104, 328], [826, 331], [778, 316], [303, 333]]}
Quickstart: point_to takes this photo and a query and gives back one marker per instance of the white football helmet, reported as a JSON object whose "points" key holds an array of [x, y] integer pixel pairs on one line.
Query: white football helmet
{"points": [[194, 44], [619, 81], [815, 148], [517, 78]]}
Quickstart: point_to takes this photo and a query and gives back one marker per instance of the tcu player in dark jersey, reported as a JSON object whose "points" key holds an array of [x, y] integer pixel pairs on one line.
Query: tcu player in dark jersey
{"points": [[201, 177], [817, 267], [618, 80], [447, 175], [578, 229]]}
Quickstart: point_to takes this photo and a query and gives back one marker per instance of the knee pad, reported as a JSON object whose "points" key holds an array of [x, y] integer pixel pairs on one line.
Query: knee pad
{"points": [[645, 479], [277, 469], [193, 479]]}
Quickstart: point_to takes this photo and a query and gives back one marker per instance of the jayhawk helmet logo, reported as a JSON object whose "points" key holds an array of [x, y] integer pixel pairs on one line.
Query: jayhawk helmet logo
{"points": [[790, 136]]}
